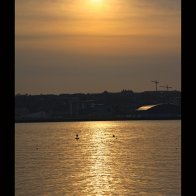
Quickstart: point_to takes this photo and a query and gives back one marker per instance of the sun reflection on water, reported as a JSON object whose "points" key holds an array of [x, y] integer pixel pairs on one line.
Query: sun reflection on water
{"points": [[100, 168]]}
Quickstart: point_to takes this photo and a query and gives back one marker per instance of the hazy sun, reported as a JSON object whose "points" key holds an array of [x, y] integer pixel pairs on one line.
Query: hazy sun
{"points": [[96, 1]]}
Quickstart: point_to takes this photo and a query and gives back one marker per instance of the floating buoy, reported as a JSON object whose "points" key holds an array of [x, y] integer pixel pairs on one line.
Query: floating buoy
{"points": [[77, 138]]}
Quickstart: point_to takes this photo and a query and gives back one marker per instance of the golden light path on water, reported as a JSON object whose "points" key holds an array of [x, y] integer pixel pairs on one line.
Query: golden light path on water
{"points": [[100, 156], [109, 158]]}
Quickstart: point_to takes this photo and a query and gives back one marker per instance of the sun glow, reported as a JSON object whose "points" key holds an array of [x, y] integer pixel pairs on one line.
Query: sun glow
{"points": [[96, 1], [97, 4]]}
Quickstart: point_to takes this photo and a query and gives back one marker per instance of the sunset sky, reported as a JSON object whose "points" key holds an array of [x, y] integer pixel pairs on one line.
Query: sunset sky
{"points": [[70, 46]]}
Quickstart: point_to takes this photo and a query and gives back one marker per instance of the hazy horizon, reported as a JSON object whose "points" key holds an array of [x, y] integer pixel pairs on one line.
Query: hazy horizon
{"points": [[68, 93], [91, 46]]}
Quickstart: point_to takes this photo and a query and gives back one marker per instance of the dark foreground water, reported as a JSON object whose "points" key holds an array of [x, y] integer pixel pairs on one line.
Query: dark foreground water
{"points": [[109, 158]]}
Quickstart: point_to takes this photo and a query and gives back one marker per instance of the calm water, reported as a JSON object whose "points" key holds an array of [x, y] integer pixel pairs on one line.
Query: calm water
{"points": [[144, 158]]}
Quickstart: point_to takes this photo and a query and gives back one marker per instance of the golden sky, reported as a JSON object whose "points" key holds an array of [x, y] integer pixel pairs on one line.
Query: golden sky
{"points": [[137, 34]]}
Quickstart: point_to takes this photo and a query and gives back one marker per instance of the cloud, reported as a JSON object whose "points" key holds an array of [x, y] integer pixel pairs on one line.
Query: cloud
{"points": [[159, 4]]}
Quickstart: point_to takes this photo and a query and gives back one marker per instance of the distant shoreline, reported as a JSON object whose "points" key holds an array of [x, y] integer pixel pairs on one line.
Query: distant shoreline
{"points": [[93, 119]]}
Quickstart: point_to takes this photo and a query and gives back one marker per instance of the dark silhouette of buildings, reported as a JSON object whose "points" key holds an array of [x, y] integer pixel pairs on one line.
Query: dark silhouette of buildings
{"points": [[98, 106]]}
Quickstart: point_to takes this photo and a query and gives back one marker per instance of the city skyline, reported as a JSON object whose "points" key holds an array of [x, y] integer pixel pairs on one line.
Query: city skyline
{"points": [[90, 46]]}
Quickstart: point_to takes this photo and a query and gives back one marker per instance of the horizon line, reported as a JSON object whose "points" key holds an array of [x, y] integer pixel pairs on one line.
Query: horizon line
{"points": [[18, 94]]}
